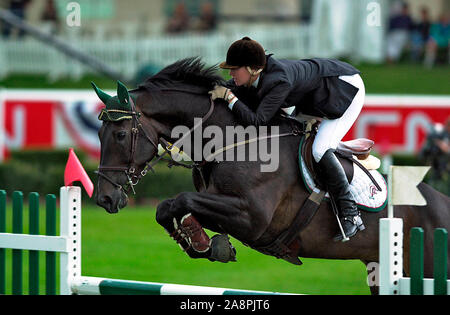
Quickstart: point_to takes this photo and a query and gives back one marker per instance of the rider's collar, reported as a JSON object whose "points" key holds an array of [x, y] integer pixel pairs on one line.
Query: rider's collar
{"points": [[255, 83]]}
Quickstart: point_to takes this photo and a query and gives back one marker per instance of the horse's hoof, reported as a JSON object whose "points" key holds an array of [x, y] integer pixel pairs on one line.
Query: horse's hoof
{"points": [[221, 249]]}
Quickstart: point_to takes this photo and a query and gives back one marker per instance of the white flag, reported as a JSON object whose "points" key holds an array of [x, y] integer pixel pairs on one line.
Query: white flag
{"points": [[404, 185]]}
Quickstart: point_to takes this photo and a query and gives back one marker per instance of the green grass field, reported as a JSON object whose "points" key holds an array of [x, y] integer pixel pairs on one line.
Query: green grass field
{"points": [[393, 79], [131, 245]]}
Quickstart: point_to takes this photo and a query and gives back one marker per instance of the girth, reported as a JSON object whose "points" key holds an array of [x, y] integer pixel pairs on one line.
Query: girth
{"points": [[287, 244]]}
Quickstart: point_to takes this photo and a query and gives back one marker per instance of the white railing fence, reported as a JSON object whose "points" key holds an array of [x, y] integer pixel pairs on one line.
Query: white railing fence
{"points": [[128, 55]]}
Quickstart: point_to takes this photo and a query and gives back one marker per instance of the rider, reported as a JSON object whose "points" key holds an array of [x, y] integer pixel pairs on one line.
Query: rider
{"points": [[326, 88]]}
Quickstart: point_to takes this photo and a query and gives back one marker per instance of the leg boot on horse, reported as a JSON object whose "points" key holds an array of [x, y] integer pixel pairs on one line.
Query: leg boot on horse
{"points": [[186, 231], [192, 238], [338, 187]]}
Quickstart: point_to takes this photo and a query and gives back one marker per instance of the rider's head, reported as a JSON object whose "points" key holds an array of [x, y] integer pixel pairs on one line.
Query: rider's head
{"points": [[245, 59]]}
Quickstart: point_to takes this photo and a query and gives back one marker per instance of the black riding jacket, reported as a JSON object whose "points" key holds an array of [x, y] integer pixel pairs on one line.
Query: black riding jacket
{"points": [[311, 85]]}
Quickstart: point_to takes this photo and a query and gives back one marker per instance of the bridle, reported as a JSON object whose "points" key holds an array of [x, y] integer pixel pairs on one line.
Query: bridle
{"points": [[130, 170]]}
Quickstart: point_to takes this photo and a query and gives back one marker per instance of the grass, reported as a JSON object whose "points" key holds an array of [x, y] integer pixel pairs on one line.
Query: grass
{"points": [[379, 79], [131, 245], [405, 79]]}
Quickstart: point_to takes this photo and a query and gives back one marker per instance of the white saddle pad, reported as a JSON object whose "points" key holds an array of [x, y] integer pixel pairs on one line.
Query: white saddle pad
{"points": [[365, 193]]}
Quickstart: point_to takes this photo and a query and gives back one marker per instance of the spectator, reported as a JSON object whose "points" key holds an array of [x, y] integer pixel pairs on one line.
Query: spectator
{"points": [[439, 40], [400, 26], [50, 15], [207, 19], [420, 35], [16, 7], [436, 152], [180, 20]]}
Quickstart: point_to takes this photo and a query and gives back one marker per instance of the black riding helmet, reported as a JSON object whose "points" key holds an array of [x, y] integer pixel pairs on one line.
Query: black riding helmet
{"points": [[245, 52]]}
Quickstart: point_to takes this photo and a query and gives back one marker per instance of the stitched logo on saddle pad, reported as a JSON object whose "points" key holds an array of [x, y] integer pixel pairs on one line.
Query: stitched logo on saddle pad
{"points": [[364, 192]]}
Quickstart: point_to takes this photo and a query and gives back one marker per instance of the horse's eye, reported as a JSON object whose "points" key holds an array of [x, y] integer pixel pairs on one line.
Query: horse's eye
{"points": [[121, 135]]}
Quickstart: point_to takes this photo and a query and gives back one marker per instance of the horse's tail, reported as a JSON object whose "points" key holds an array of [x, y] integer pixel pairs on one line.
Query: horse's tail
{"points": [[438, 204]]}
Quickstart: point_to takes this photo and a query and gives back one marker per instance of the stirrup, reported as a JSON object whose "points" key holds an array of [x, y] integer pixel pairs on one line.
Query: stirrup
{"points": [[356, 221]]}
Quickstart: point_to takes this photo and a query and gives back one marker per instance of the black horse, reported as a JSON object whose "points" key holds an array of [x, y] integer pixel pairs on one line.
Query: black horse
{"points": [[233, 197]]}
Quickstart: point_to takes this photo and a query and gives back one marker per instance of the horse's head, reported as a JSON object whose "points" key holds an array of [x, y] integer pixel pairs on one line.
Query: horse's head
{"points": [[130, 134], [128, 142]]}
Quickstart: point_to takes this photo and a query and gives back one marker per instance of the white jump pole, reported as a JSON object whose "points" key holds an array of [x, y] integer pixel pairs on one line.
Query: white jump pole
{"points": [[390, 247], [402, 190], [70, 228]]}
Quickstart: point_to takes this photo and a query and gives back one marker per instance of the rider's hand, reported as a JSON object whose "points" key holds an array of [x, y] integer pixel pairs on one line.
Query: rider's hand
{"points": [[219, 92]]}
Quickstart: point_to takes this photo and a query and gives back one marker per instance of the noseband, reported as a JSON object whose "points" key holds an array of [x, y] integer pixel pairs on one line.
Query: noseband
{"points": [[130, 170]]}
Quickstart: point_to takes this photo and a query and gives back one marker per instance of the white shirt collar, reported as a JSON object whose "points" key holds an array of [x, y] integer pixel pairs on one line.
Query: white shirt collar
{"points": [[255, 84]]}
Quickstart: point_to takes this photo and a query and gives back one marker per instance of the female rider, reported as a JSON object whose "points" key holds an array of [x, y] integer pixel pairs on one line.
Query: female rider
{"points": [[326, 88]]}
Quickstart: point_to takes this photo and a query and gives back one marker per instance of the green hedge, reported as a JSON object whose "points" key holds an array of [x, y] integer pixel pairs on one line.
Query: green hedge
{"points": [[42, 171], [406, 159]]}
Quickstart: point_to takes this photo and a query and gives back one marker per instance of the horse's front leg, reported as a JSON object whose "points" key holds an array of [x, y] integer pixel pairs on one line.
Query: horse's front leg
{"points": [[216, 212], [177, 229]]}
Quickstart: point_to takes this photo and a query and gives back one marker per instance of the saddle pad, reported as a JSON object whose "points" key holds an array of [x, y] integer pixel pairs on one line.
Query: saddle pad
{"points": [[364, 192]]}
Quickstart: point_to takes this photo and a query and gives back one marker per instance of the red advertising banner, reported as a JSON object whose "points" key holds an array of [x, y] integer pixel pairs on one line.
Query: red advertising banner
{"points": [[29, 124], [399, 123], [62, 119], [31, 119]]}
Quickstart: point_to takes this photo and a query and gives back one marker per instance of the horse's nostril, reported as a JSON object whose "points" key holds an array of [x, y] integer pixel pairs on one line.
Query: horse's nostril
{"points": [[105, 202]]}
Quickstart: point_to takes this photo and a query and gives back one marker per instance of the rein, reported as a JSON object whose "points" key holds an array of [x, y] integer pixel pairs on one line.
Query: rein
{"points": [[130, 169]]}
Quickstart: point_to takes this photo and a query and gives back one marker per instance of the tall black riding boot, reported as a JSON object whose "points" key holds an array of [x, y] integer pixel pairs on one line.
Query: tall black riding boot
{"points": [[333, 176]]}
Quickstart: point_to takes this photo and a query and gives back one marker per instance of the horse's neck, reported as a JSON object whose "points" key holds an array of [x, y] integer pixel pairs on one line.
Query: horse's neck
{"points": [[191, 109]]}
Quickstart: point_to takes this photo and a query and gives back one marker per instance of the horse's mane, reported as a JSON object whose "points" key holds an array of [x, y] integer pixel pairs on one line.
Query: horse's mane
{"points": [[190, 71]]}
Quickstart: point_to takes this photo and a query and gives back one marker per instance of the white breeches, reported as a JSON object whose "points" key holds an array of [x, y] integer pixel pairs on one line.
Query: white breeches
{"points": [[331, 131]]}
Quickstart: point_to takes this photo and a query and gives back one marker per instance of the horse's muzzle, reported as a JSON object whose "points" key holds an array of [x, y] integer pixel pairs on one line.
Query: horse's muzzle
{"points": [[114, 202]]}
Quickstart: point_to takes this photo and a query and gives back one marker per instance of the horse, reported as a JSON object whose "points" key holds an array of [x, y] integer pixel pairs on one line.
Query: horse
{"points": [[233, 197]]}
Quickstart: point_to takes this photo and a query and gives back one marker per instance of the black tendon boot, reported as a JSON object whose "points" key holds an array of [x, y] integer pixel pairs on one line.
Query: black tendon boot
{"points": [[333, 176]]}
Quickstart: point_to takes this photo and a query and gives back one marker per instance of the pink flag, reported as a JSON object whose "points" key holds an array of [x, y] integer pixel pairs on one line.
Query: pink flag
{"points": [[75, 172]]}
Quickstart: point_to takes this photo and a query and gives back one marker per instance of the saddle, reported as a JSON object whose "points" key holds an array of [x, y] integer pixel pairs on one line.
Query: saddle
{"points": [[360, 148], [345, 151]]}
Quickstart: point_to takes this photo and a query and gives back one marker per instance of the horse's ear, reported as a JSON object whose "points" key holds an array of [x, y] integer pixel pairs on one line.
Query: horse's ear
{"points": [[102, 95], [122, 93]]}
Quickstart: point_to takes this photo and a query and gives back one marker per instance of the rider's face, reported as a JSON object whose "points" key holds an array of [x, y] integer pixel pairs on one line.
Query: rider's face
{"points": [[240, 76]]}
